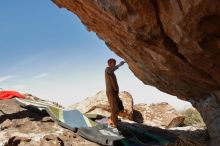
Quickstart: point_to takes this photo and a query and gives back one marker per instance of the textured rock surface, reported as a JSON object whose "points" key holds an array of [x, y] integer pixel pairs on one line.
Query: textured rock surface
{"points": [[198, 134], [173, 45], [98, 104], [160, 115], [20, 127], [210, 111]]}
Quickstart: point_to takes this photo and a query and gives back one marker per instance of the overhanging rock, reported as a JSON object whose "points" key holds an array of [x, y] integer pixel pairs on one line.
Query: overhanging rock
{"points": [[173, 45]]}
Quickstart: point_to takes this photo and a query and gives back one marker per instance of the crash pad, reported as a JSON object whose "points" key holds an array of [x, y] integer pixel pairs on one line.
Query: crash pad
{"points": [[33, 104], [104, 134], [142, 135], [10, 94], [70, 119], [101, 134], [124, 135]]}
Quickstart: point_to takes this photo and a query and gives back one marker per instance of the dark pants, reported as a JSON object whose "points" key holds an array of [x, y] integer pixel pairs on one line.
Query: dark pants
{"points": [[115, 105]]}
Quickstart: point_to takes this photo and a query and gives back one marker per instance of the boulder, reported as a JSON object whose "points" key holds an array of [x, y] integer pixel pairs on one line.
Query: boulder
{"points": [[173, 45], [160, 115], [98, 104]]}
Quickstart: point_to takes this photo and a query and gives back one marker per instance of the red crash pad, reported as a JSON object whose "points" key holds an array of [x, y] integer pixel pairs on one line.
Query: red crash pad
{"points": [[10, 94]]}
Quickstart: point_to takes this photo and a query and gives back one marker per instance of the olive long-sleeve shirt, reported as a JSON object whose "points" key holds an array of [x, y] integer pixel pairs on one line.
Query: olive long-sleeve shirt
{"points": [[110, 79], [112, 89]]}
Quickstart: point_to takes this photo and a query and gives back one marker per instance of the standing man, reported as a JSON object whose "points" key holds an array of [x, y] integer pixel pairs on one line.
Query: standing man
{"points": [[112, 90]]}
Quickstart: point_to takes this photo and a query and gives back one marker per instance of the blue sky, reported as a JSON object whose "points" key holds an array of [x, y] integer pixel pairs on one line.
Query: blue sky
{"points": [[48, 52]]}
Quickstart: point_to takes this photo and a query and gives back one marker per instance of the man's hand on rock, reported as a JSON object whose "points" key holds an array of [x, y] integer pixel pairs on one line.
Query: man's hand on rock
{"points": [[121, 63]]}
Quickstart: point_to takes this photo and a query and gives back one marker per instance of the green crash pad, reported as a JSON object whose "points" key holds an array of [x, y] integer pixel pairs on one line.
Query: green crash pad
{"points": [[71, 119]]}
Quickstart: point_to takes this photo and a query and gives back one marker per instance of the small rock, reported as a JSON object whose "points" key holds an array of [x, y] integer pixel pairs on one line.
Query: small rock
{"points": [[15, 141], [47, 119], [7, 124], [51, 140]]}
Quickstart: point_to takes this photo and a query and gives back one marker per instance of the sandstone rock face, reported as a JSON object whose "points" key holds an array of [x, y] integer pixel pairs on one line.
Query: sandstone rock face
{"points": [[209, 110], [98, 104], [160, 115], [173, 45]]}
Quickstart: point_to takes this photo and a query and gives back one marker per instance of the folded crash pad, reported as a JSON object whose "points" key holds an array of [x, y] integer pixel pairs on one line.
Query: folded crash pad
{"points": [[101, 134], [70, 119], [10, 94], [34, 105], [144, 136], [124, 135]]}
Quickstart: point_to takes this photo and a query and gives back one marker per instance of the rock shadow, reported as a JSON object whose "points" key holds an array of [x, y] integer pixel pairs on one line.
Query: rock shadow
{"points": [[200, 136], [137, 116], [33, 116]]}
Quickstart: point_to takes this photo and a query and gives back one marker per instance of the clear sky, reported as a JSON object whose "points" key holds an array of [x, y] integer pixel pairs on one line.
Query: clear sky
{"points": [[48, 52]]}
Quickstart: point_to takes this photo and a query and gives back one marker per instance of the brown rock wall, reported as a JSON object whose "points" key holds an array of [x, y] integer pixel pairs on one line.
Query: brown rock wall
{"points": [[173, 45]]}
